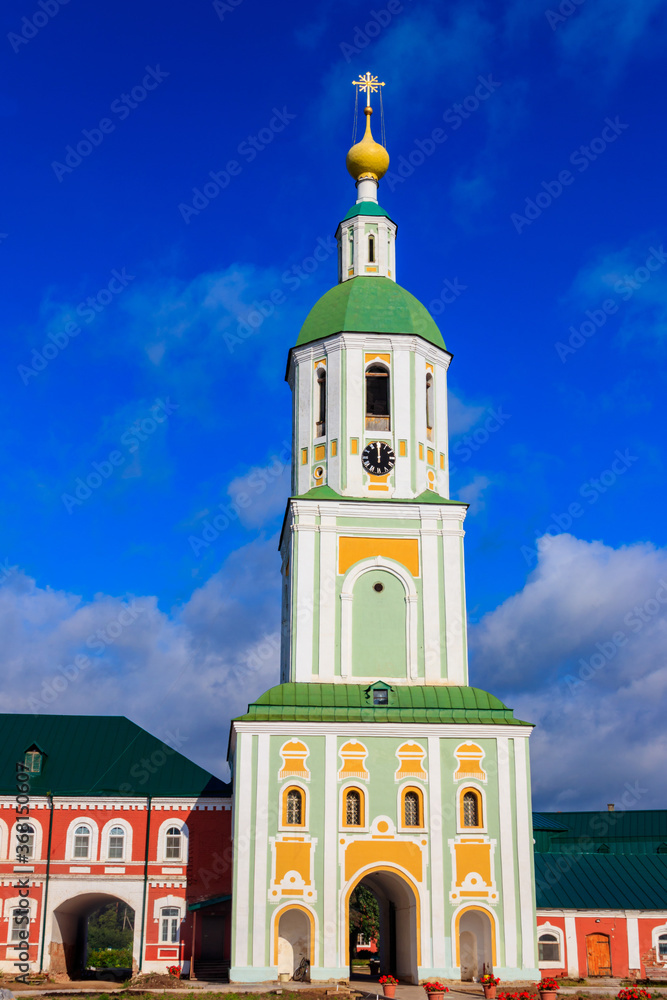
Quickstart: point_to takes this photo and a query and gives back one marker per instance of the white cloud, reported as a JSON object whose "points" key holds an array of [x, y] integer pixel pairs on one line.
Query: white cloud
{"points": [[260, 494], [191, 669], [580, 651], [462, 415]]}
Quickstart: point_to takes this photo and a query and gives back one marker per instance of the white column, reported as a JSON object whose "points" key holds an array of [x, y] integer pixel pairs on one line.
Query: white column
{"points": [[242, 849], [454, 608], [330, 906], [431, 597], [507, 852], [634, 959], [327, 648], [402, 392], [333, 415], [441, 428], [571, 946], [437, 856], [354, 400], [524, 849], [305, 429], [419, 397], [261, 852], [305, 569]]}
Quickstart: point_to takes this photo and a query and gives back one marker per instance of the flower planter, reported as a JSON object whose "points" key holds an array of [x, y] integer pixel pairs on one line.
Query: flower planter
{"points": [[489, 992], [548, 994], [435, 996], [389, 990]]}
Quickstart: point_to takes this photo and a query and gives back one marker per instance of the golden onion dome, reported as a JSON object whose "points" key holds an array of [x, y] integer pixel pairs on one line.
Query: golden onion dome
{"points": [[367, 158]]}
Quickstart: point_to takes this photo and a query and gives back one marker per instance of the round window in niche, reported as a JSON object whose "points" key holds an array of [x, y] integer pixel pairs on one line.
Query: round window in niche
{"points": [[378, 587], [319, 472]]}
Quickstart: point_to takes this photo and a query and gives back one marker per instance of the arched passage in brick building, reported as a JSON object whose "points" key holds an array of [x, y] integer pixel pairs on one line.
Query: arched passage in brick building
{"points": [[69, 932]]}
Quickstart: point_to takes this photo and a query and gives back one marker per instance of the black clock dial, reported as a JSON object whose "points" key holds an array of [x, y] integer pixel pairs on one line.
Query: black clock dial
{"points": [[378, 458]]}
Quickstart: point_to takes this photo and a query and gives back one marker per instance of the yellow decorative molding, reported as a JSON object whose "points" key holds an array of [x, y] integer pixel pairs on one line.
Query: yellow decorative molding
{"points": [[410, 756], [377, 357], [353, 755], [294, 754], [469, 757]]}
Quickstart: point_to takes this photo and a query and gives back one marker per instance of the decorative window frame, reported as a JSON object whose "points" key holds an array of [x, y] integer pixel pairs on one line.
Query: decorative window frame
{"points": [[471, 777], [162, 842], [127, 846], [37, 846], [411, 786], [411, 611], [362, 757], [16, 903], [470, 786], [548, 928], [93, 854], [363, 792], [411, 755], [655, 934], [161, 904], [284, 826], [283, 773]]}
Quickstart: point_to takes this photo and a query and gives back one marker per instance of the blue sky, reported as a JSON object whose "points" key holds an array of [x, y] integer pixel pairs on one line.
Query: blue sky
{"points": [[543, 207]]}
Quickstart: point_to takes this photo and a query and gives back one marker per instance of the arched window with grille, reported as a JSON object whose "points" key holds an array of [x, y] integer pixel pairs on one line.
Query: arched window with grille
{"points": [[173, 844], [321, 403], [470, 808], [354, 808], [413, 808], [377, 398], [293, 807], [429, 406]]}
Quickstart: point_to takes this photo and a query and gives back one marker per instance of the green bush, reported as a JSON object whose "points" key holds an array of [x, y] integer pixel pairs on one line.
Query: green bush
{"points": [[109, 958]]}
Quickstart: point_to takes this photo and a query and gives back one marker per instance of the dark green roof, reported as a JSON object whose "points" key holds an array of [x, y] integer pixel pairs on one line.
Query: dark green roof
{"points": [[601, 881], [369, 304], [632, 831], [542, 821], [315, 702], [366, 208], [98, 755]]}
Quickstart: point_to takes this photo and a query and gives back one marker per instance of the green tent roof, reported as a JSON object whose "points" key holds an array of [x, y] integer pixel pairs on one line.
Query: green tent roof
{"points": [[315, 702], [369, 304], [98, 755], [326, 493], [601, 881], [366, 208]]}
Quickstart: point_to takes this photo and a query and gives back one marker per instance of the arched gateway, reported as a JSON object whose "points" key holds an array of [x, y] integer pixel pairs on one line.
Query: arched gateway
{"points": [[69, 925], [399, 951]]}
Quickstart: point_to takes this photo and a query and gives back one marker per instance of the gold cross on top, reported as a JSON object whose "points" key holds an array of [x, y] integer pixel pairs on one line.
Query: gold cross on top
{"points": [[368, 83]]}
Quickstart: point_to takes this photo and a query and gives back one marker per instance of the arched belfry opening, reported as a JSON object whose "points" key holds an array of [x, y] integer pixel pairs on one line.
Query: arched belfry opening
{"points": [[378, 417], [397, 945]]}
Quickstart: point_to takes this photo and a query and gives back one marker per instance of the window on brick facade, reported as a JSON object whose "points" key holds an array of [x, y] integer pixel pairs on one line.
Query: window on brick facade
{"points": [[548, 948], [116, 843], [82, 842], [173, 844], [169, 924]]}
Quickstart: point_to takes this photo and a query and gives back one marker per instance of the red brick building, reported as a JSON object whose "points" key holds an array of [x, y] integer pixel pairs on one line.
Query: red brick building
{"points": [[95, 809]]}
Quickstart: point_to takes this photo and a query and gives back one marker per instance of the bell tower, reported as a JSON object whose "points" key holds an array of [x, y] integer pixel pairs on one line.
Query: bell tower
{"points": [[371, 535]]}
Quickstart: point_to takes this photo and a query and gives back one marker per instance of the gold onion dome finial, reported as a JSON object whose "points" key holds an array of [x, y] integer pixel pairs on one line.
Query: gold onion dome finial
{"points": [[367, 158]]}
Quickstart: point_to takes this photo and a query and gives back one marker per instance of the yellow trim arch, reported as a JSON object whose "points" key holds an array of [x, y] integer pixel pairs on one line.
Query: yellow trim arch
{"points": [[402, 825], [471, 790], [276, 929], [389, 869], [362, 808], [302, 793], [494, 931]]}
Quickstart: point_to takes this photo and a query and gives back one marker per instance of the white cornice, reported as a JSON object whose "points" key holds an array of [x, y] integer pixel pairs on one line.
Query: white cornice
{"points": [[408, 509], [370, 729]]}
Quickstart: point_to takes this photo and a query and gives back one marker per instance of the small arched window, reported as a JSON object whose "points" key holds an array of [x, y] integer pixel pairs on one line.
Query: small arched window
{"points": [[116, 843], [321, 403], [82, 842], [25, 837], [548, 948], [371, 249], [412, 809], [351, 246], [429, 406], [20, 924], [662, 947], [471, 809], [169, 921], [377, 398], [294, 808], [173, 844], [354, 808]]}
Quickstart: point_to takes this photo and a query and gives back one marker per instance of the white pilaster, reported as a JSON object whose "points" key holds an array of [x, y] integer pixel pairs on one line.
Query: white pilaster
{"points": [[354, 395], [524, 849], [634, 959], [454, 610], [328, 537], [438, 930], [259, 956], [571, 946], [441, 429], [302, 614], [507, 852], [433, 658], [330, 907], [242, 849], [402, 391]]}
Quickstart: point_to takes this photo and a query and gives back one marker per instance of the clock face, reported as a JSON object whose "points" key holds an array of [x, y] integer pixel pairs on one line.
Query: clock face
{"points": [[378, 458]]}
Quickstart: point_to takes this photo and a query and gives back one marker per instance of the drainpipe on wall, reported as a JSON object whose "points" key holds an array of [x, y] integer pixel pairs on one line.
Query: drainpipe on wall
{"points": [[46, 883], [143, 905]]}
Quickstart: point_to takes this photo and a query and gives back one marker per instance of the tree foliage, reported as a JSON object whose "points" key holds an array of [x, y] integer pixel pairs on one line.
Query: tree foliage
{"points": [[364, 914], [112, 926]]}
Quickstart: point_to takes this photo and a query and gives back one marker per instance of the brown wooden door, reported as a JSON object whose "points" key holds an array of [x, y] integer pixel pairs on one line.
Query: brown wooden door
{"points": [[598, 955]]}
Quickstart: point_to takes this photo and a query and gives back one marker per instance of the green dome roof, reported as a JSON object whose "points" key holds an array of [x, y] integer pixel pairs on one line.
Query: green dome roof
{"points": [[369, 304]]}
